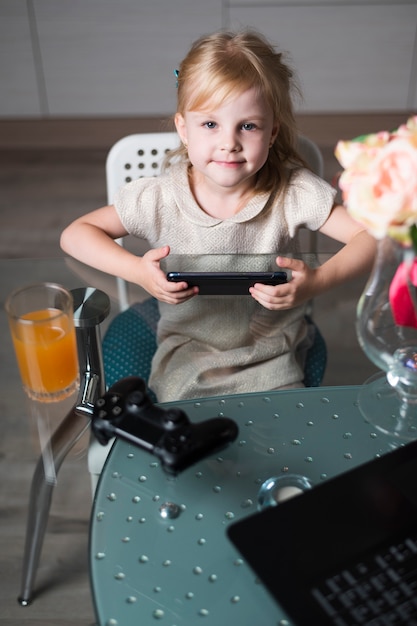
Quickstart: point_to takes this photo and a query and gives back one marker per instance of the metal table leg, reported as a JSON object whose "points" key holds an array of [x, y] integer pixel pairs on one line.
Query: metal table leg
{"points": [[91, 307]]}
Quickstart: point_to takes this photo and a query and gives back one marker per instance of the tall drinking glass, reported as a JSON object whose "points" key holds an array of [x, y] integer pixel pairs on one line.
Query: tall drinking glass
{"points": [[42, 328], [41, 321]]}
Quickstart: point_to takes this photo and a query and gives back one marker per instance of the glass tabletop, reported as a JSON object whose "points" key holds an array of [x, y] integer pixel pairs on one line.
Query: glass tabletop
{"points": [[158, 545], [232, 262], [69, 273]]}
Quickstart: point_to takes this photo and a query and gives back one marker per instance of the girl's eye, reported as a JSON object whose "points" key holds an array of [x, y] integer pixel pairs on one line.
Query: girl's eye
{"points": [[210, 124], [248, 126]]}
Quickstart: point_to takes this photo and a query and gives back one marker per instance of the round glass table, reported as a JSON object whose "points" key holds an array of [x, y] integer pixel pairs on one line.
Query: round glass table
{"points": [[158, 546]]}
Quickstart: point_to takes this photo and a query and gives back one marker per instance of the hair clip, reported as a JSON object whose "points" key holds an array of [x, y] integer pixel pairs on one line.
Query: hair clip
{"points": [[176, 74]]}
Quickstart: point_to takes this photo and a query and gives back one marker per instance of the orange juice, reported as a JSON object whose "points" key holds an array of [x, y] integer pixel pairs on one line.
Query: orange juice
{"points": [[46, 353]]}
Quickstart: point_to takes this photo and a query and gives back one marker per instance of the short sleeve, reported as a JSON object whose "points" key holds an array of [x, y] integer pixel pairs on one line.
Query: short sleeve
{"points": [[309, 201], [135, 205]]}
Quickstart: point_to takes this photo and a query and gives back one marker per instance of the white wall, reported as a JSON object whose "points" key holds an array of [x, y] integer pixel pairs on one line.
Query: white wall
{"points": [[84, 58]]}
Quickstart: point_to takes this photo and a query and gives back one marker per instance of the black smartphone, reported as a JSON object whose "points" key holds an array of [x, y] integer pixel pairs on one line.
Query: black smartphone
{"points": [[227, 283]]}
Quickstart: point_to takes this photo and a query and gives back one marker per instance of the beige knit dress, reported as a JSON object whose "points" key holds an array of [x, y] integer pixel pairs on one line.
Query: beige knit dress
{"points": [[213, 345]]}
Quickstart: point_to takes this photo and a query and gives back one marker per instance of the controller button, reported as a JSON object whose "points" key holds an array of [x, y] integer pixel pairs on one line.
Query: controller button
{"points": [[136, 398], [186, 434], [172, 444]]}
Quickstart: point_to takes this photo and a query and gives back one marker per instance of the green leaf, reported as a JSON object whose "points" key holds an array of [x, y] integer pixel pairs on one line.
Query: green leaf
{"points": [[413, 235]]}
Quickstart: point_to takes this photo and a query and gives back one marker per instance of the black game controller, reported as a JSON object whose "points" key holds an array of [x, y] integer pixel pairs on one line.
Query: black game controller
{"points": [[127, 411]]}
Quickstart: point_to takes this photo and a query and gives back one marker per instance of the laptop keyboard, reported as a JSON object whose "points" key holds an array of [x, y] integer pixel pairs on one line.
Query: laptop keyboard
{"points": [[378, 591]]}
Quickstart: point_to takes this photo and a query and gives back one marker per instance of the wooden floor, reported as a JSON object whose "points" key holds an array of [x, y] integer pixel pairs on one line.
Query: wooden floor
{"points": [[51, 172]]}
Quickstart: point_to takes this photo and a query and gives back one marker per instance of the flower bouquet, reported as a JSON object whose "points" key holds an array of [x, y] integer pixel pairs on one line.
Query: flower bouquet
{"points": [[379, 190]]}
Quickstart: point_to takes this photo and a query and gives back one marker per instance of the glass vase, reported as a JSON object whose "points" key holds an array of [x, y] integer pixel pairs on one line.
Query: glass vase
{"points": [[387, 332]]}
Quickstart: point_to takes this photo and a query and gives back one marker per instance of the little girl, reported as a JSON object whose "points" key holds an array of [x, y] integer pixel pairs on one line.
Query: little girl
{"points": [[237, 186]]}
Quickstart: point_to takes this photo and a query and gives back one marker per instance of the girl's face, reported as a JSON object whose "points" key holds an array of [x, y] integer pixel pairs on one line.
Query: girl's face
{"points": [[229, 144]]}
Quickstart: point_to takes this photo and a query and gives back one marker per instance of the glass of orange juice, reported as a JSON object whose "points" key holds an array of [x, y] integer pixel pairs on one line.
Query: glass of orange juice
{"points": [[42, 327]]}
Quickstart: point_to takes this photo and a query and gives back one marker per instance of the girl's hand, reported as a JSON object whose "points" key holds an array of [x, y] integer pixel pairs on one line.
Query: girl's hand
{"points": [[288, 295], [154, 280]]}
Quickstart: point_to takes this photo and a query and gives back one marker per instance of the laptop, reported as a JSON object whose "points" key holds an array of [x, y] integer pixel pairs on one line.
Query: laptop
{"points": [[345, 552]]}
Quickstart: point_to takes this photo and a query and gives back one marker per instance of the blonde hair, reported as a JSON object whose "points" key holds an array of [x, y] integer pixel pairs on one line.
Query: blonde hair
{"points": [[226, 63]]}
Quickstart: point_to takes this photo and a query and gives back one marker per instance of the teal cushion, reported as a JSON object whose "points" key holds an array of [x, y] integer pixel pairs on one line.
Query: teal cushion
{"points": [[130, 342], [316, 358]]}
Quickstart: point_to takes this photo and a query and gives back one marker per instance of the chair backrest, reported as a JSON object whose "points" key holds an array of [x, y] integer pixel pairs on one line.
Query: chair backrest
{"points": [[312, 155], [142, 154], [136, 156]]}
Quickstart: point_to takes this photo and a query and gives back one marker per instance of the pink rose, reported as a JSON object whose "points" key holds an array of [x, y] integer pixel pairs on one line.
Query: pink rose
{"points": [[379, 184], [348, 152]]}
